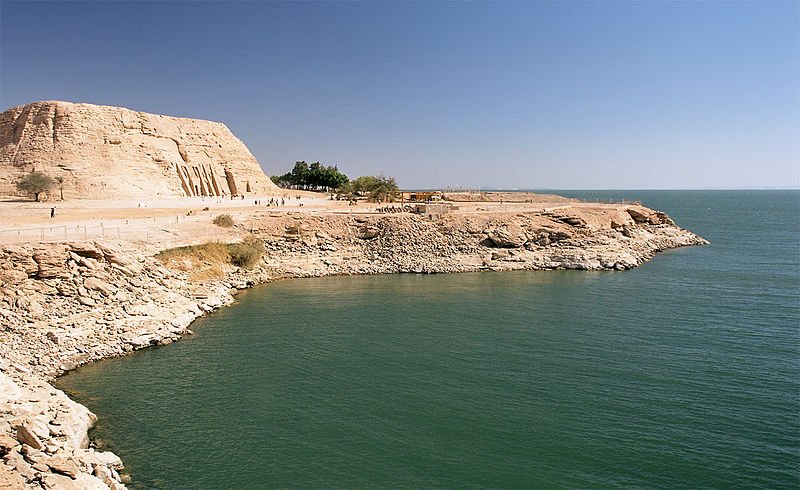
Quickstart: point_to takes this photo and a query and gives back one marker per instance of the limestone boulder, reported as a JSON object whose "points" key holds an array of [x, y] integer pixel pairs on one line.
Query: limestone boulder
{"points": [[64, 466], [51, 261], [508, 236], [99, 285], [86, 249], [26, 435], [575, 221], [648, 216], [90, 458]]}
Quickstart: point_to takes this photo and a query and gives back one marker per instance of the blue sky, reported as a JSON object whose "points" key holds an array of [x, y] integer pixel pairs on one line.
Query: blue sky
{"points": [[500, 94]]}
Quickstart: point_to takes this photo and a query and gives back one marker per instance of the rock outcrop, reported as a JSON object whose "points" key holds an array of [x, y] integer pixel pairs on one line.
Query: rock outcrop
{"points": [[105, 152], [583, 240], [44, 439], [61, 306]]}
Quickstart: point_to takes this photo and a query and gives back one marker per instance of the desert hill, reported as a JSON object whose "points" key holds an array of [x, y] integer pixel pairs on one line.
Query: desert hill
{"points": [[105, 152]]}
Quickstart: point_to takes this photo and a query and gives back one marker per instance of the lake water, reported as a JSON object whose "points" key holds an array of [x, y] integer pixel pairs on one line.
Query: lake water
{"points": [[683, 373]]}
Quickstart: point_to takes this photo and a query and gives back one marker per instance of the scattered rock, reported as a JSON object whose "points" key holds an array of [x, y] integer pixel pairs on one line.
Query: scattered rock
{"points": [[26, 436]]}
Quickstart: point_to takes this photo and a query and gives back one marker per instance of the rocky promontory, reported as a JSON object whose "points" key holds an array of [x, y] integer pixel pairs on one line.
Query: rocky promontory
{"points": [[66, 304]]}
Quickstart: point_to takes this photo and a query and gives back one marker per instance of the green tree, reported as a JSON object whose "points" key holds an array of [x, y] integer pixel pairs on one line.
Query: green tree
{"points": [[335, 179], [300, 174], [35, 183], [314, 176], [284, 180], [377, 188]]}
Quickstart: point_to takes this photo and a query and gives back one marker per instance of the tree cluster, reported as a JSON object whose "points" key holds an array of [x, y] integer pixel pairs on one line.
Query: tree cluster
{"points": [[313, 177], [377, 188], [318, 177]]}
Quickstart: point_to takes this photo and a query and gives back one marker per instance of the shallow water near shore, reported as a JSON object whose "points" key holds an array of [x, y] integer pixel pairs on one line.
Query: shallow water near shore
{"points": [[684, 372]]}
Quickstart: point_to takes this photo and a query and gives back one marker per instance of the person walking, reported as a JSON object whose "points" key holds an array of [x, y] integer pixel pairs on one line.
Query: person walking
{"points": [[53, 212]]}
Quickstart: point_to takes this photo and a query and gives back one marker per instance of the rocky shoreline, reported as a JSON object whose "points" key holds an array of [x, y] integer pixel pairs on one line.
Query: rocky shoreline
{"points": [[65, 305]]}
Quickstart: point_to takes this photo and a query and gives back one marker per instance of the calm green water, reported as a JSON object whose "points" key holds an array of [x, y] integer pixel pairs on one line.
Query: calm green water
{"points": [[684, 373]]}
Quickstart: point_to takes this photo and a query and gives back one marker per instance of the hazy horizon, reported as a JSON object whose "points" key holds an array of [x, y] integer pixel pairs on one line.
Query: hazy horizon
{"points": [[529, 95]]}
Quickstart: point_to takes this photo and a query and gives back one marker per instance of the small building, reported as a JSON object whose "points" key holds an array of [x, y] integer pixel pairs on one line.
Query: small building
{"points": [[422, 196], [433, 210]]}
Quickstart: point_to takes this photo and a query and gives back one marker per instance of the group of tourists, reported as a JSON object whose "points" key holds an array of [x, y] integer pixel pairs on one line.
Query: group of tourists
{"points": [[273, 201], [395, 209]]}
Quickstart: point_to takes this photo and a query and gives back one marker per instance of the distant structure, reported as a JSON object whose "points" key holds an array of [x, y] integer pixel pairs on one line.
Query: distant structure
{"points": [[104, 152], [434, 210], [421, 196]]}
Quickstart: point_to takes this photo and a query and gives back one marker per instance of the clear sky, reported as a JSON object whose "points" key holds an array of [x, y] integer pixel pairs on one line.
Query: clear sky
{"points": [[501, 94]]}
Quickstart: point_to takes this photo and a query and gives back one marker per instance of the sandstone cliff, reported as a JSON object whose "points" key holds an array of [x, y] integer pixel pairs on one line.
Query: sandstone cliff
{"points": [[105, 152]]}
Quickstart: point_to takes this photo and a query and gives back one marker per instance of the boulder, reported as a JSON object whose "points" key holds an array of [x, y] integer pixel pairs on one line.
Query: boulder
{"points": [[369, 232], [65, 466], [86, 301], [99, 285], [90, 482], [13, 276], [575, 221], [27, 436], [638, 216], [508, 236], [7, 443], [51, 262], [15, 460], [90, 458], [86, 250]]}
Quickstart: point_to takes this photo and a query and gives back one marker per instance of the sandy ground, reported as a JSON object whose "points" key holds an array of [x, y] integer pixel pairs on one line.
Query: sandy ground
{"points": [[178, 221]]}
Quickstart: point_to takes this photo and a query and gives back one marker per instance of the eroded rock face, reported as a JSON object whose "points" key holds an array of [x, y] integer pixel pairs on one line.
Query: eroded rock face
{"points": [[105, 152]]}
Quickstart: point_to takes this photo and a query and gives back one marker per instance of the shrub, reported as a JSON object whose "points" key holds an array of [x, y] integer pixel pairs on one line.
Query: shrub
{"points": [[246, 254], [224, 220], [183, 258], [203, 262], [210, 260]]}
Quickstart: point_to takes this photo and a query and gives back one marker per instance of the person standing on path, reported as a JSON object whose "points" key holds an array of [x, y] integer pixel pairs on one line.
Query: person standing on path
{"points": [[53, 212]]}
